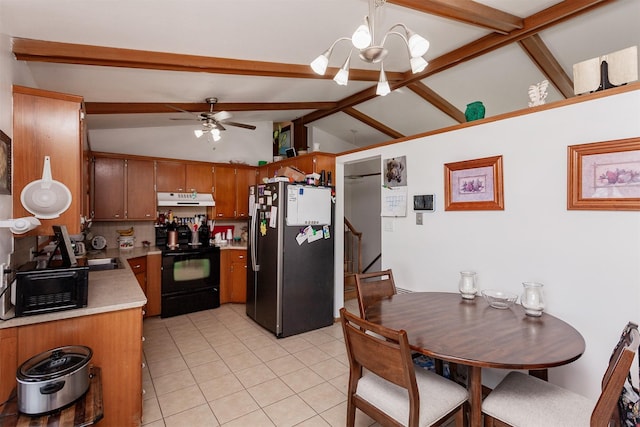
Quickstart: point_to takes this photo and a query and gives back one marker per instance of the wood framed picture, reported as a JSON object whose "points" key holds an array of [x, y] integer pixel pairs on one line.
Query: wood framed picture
{"points": [[474, 185], [604, 175], [5, 163]]}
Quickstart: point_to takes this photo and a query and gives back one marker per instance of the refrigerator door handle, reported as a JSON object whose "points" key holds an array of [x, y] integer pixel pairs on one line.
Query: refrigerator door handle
{"points": [[253, 237]]}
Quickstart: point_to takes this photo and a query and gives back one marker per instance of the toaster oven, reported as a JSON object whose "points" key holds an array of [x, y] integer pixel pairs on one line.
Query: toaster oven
{"points": [[39, 291]]}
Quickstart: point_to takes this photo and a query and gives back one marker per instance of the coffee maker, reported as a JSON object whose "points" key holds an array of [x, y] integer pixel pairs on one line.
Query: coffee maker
{"points": [[204, 234]]}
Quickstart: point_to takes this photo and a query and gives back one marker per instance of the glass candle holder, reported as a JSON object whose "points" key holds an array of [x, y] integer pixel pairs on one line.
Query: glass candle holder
{"points": [[467, 284], [532, 299]]}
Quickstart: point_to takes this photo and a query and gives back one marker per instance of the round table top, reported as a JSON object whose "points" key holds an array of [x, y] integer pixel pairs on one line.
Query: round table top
{"points": [[470, 332]]}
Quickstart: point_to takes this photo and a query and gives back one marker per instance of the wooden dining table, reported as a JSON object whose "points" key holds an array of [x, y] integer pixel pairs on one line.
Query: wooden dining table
{"points": [[472, 333]]}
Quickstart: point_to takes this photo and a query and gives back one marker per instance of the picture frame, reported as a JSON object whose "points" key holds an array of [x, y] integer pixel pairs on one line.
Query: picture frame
{"points": [[604, 175], [5, 163], [474, 185]]}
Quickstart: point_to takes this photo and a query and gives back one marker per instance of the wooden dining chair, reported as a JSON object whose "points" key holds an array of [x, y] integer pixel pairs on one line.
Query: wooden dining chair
{"points": [[523, 400], [384, 384], [372, 287]]}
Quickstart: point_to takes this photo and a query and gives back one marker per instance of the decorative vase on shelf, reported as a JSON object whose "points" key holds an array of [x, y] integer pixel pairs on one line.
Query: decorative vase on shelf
{"points": [[474, 111]]}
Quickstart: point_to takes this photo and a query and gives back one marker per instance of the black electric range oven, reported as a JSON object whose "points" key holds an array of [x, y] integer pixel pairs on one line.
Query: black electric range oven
{"points": [[190, 279]]}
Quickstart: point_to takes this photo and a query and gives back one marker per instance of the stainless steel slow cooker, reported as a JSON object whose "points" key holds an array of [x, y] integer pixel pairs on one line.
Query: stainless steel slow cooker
{"points": [[53, 379]]}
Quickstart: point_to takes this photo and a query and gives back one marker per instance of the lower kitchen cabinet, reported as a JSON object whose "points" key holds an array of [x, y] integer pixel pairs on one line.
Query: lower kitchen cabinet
{"points": [[233, 276], [154, 277], [139, 267], [116, 341]]}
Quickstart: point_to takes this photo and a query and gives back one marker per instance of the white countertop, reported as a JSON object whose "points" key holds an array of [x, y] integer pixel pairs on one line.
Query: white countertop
{"points": [[109, 290]]}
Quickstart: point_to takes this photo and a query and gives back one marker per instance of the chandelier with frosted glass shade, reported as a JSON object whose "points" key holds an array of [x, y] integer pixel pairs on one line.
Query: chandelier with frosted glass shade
{"points": [[373, 52]]}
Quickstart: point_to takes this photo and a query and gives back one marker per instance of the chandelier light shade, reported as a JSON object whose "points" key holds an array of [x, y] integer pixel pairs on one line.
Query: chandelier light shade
{"points": [[383, 85], [363, 39]]}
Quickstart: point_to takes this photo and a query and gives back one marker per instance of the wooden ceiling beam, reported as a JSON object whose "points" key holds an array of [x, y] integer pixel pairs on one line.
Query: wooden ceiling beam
{"points": [[78, 54], [468, 12], [533, 24], [437, 101], [547, 63], [369, 121], [157, 107]]}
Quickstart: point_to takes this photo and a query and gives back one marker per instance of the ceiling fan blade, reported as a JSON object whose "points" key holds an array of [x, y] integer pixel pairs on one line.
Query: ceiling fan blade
{"points": [[222, 115], [219, 126], [240, 125], [181, 110], [173, 118]]}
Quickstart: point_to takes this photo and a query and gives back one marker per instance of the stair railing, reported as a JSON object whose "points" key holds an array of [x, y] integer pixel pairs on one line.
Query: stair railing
{"points": [[352, 249]]}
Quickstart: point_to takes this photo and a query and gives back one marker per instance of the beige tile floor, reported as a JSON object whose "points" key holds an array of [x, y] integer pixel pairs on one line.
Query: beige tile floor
{"points": [[219, 368]]}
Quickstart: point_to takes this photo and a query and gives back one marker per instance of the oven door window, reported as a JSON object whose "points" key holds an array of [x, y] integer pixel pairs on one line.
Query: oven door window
{"points": [[190, 269]]}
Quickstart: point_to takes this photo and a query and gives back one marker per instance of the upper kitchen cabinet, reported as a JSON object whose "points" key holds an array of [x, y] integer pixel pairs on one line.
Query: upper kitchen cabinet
{"points": [[123, 189], [306, 163], [183, 177], [48, 124], [232, 190]]}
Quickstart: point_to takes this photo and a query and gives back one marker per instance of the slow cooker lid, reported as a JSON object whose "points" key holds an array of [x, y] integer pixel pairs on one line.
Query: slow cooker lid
{"points": [[55, 362]]}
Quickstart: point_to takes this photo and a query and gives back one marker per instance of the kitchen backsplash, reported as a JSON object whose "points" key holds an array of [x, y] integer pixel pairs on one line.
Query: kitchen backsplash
{"points": [[143, 231]]}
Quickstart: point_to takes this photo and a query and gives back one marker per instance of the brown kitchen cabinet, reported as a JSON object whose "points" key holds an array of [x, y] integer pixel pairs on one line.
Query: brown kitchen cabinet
{"points": [[116, 341], [233, 276], [48, 124], [153, 290], [306, 163], [123, 189], [139, 268], [232, 191], [183, 177]]}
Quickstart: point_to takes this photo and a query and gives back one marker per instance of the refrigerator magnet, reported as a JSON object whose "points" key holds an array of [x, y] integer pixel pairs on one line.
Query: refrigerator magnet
{"points": [[325, 232]]}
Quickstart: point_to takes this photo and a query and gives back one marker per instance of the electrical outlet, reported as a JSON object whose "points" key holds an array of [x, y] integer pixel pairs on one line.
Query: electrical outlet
{"points": [[418, 218], [32, 253], [3, 276]]}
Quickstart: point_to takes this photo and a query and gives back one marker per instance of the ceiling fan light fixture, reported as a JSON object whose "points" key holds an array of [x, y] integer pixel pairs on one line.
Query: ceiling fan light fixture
{"points": [[198, 133], [361, 37], [383, 88], [418, 64], [215, 134], [342, 77]]}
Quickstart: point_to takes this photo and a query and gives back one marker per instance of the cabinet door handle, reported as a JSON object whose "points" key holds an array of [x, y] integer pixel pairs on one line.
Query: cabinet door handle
{"points": [[241, 257], [137, 266]]}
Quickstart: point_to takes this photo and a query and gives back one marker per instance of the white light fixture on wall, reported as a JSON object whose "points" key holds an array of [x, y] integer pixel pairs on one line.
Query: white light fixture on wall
{"points": [[364, 40]]}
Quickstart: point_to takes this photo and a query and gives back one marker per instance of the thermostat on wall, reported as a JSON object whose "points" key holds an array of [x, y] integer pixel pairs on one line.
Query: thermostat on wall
{"points": [[424, 202]]}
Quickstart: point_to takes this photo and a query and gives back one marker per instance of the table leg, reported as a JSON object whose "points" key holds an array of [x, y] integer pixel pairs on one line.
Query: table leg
{"points": [[475, 396], [543, 374]]}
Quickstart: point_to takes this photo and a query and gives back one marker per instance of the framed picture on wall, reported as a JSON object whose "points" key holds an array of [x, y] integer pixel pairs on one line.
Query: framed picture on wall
{"points": [[474, 185], [5, 163], [604, 175]]}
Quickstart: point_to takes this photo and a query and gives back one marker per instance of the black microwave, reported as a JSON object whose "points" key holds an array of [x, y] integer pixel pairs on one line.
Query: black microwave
{"points": [[39, 291]]}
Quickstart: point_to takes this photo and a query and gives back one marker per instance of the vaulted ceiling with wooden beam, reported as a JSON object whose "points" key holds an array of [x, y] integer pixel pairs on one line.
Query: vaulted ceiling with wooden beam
{"points": [[133, 60]]}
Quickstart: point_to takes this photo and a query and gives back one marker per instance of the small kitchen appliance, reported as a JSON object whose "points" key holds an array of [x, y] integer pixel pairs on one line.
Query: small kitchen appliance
{"points": [[53, 379]]}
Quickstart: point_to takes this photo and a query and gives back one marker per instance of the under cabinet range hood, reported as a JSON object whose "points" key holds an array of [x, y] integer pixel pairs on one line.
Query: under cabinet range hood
{"points": [[185, 199]]}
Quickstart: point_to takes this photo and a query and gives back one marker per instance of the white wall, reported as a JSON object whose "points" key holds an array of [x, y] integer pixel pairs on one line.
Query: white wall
{"points": [[589, 261], [179, 142], [328, 143], [11, 72]]}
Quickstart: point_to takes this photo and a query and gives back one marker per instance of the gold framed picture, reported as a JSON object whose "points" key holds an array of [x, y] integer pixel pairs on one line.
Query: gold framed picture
{"points": [[474, 185]]}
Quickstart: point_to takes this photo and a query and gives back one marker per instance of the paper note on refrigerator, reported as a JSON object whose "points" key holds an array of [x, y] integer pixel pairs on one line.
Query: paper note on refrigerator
{"points": [[273, 220]]}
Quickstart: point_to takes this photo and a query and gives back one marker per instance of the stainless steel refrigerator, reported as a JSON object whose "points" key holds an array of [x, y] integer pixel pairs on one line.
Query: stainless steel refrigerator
{"points": [[290, 275]]}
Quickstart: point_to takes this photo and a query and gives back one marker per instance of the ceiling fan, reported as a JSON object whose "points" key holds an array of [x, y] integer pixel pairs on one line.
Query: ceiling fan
{"points": [[212, 123]]}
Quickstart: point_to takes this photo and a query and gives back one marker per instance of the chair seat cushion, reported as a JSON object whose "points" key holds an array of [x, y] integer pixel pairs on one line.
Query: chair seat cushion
{"points": [[526, 401], [438, 396]]}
